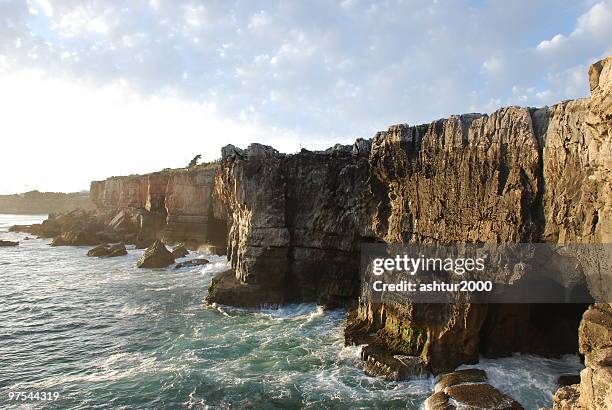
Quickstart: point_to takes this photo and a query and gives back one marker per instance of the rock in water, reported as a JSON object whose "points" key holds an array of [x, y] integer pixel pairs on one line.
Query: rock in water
{"points": [[226, 289], [100, 250], [193, 262], [108, 251], [180, 251], [117, 250], [8, 243], [460, 377], [471, 396], [156, 256], [379, 362]]}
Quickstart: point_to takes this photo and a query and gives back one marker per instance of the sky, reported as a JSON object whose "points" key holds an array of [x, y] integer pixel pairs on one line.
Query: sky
{"points": [[91, 89]]}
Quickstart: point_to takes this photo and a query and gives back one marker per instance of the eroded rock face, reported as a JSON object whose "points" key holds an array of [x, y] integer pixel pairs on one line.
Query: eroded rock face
{"points": [[176, 205], [582, 213], [291, 213], [296, 222]]}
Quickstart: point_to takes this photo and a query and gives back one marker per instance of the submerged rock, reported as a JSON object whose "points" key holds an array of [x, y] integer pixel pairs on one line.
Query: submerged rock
{"points": [[8, 243], [192, 262], [156, 256], [109, 251]]}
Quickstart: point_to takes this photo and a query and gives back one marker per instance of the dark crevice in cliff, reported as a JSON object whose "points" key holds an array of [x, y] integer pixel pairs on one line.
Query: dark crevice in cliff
{"points": [[540, 119], [548, 330]]}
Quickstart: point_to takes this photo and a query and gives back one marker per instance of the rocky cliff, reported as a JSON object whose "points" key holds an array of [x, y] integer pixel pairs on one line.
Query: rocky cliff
{"points": [[176, 205], [296, 222]]}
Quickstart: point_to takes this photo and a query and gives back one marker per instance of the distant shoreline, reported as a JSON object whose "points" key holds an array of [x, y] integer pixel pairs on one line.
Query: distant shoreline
{"points": [[39, 203]]}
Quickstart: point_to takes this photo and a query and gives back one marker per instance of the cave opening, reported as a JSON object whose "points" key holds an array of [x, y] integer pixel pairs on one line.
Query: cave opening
{"points": [[544, 329]]}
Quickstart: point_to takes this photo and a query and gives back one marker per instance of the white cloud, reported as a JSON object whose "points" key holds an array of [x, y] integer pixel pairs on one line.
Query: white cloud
{"points": [[45, 6], [592, 28], [325, 71], [493, 65], [74, 132], [555, 42], [259, 20]]}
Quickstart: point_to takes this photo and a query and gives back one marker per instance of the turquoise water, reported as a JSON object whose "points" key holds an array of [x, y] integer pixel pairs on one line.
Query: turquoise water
{"points": [[104, 334]]}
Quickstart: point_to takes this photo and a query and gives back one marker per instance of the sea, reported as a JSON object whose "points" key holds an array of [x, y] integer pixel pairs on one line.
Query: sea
{"points": [[92, 333]]}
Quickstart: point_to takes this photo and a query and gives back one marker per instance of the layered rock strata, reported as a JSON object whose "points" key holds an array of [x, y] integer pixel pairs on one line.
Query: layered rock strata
{"points": [[176, 205]]}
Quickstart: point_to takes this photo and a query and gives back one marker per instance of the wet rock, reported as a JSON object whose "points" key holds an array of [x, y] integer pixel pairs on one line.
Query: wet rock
{"points": [[156, 256], [379, 362], [180, 251], [226, 289], [191, 263], [109, 251], [100, 250], [4, 243], [438, 401], [480, 396], [460, 377]]}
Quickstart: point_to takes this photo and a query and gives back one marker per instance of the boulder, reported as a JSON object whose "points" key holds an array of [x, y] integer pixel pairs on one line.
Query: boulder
{"points": [[191, 263], [8, 243], [100, 250], [379, 362], [108, 251], [156, 256], [180, 251], [117, 250], [438, 401], [460, 377], [480, 396]]}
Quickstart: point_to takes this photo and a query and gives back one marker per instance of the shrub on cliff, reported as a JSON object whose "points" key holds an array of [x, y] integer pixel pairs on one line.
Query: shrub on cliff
{"points": [[194, 161]]}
